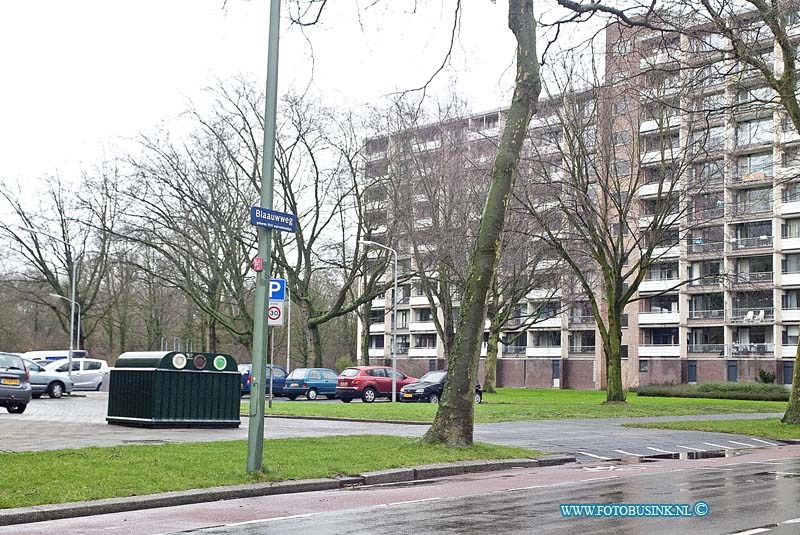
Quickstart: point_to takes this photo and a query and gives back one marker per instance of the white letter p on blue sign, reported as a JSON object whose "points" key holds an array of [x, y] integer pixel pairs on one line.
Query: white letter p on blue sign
{"points": [[277, 289]]}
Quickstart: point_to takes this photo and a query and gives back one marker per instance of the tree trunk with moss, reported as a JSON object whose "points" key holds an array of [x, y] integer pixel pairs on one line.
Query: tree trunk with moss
{"points": [[453, 424], [490, 371]]}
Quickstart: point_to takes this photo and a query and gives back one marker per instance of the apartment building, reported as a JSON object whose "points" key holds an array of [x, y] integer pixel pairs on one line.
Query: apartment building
{"points": [[723, 300]]}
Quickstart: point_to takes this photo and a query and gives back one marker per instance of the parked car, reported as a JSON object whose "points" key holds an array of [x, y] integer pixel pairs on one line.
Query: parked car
{"points": [[87, 374], [369, 383], [429, 388], [311, 383], [15, 386], [44, 382], [278, 379]]}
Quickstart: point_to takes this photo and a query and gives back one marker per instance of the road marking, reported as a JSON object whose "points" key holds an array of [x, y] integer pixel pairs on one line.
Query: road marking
{"points": [[628, 453], [691, 448], [662, 451], [416, 501], [600, 478], [751, 531], [792, 521], [743, 444], [718, 446], [763, 441], [764, 462], [593, 455], [272, 519], [787, 473]]}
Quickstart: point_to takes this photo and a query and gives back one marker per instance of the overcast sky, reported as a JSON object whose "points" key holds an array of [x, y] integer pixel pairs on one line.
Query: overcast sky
{"points": [[80, 76]]}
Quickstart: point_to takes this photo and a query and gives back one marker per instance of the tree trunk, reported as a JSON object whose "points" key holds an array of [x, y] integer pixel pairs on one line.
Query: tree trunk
{"points": [[453, 424], [613, 349], [316, 341], [792, 415], [490, 372], [363, 316], [211, 335]]}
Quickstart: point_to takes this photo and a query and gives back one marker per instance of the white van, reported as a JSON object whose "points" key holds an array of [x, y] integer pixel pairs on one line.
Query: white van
{"points": [[54, 354]]}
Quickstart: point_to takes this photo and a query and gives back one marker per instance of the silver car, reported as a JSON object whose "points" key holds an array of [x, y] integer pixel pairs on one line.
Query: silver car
{"points": [[87, 374], [44, 382], [15, 388]]}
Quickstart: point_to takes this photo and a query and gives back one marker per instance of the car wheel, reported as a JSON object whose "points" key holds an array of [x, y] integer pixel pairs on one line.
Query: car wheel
{"points": [[368, 395], [478, 398], [346, 400], [292, 396], [55, 390], [17, 408], [311, 395], [433, 398], [36, 396]]}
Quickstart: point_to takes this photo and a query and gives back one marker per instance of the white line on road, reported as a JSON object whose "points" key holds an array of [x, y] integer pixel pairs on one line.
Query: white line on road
{"points": [[628, 453], [662, 451], [416, 501], [718, 446], [787, 473], [691, 448], [763, 441], [792, 521], [593, 455], [751, 531], [600, 478], [743, 444]]}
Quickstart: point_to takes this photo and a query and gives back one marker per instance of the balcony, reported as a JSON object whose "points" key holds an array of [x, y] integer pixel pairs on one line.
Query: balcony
{"points": [[703, 283], [402, 349], [752, 278], [543, 351], [707, 316], [660, 350], [716, 349], [649, 317], [788, 351], [703, 216], [747, 210], [759, 242], [658, 285], [790, 314], [422, 326], [651, 125], [672, 251], [379, 302], [790, 242], [551, 322], [758, 177], [740, 350], [377, 327], [376, 352], [700, 246], [752, 315], [422, 352], [651, 190], [420, 300], [514, 350], [579, 321], [581, 350]]}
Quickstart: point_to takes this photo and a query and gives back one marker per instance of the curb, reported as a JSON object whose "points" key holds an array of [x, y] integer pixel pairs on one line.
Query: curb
{"points": [[42, 513], [335, 419]]}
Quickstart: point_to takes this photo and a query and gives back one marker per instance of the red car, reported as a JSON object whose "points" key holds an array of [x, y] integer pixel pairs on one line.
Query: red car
{"points": [[369, 383]]}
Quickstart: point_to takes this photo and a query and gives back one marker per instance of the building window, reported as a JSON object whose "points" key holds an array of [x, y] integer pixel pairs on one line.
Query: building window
{"points": [[423, 314], [425, 341], [376, 341], [644, 365]]}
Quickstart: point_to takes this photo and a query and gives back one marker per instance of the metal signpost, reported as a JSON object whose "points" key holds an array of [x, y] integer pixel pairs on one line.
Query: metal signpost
{"points": [[261, 217], [277, 293]]}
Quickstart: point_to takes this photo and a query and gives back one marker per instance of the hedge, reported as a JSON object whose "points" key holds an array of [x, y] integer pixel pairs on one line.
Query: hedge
{"points": [[746, 391]]}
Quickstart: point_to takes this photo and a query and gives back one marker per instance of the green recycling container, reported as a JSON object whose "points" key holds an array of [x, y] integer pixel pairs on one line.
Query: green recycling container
{"points": [[174, 389]]}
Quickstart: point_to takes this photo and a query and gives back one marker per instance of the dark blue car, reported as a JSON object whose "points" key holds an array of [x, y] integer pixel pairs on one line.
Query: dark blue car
{"points": [[278, 379], [311, 382]]}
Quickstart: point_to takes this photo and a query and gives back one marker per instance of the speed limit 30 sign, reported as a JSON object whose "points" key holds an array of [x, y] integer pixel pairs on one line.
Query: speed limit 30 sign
{"points": [[275, 313]]}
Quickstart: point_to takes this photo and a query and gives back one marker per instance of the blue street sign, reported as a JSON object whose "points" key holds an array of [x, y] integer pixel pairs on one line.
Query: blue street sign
{"points": [[277, 289], [261, 217]]}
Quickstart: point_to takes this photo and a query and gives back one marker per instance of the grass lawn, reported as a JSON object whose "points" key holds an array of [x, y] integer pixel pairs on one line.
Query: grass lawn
{"points": [[766, 428], [530, 404], [45, 477]]}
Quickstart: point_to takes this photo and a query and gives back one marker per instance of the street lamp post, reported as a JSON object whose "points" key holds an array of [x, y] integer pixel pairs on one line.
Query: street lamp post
{"points": [[78, 335], [72, 310], [394, 316]]}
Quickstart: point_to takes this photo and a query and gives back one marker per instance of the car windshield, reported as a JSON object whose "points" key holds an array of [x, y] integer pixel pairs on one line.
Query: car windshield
{"points": [[297, 373], [433, 377], [349, 372], [11, 362]]}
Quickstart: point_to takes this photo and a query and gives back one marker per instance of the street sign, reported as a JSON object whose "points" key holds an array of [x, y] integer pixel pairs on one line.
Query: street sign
{"points": [[258, 264], [275, 313], [277, 290], [271, 219]]}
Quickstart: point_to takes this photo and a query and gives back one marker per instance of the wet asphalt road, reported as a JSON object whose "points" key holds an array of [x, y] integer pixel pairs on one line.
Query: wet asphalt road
{"points": [[741, 498]]}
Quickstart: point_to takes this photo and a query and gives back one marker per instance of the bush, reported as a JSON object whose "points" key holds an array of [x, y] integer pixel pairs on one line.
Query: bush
{"points": [[344, 362], [765, 377], [744, 391]]}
